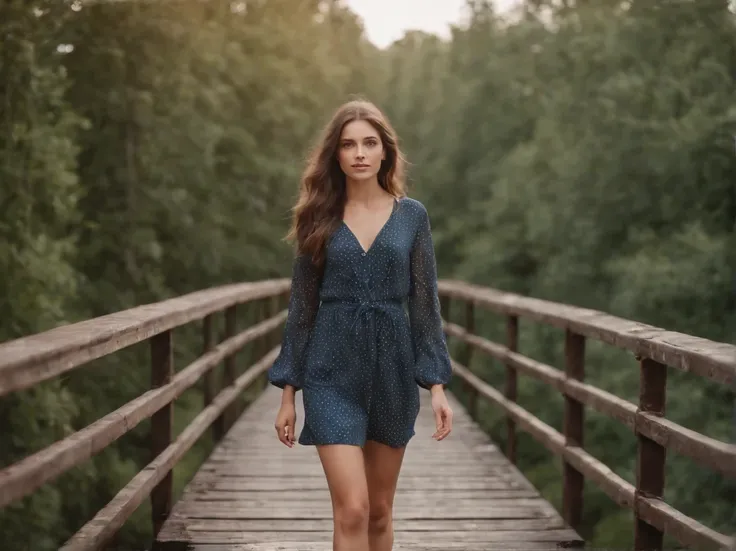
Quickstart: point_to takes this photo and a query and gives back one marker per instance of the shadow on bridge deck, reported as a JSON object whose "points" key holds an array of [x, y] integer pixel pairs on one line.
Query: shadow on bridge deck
{"points": [[254, 494]]}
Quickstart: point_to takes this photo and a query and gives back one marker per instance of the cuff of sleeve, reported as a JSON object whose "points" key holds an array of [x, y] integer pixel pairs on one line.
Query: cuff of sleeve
{"points": [[436, 378]]}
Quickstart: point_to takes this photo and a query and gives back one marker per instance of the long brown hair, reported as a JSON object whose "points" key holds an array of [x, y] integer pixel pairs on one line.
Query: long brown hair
{"points": [[318, 211]]}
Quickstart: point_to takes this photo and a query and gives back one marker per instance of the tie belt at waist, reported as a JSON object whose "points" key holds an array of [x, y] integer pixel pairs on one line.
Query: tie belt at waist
{"points": [[367, 309]]}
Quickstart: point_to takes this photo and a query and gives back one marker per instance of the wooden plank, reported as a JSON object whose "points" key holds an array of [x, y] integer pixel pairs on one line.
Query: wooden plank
{"points": [[489, 508], [400, 536], [268, 484], [402, 495], [177, 525], [521, 545], [245, 496]]}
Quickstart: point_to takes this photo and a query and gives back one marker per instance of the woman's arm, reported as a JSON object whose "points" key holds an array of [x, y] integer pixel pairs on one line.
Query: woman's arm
{"points": [[287, 372], [432, 360]]}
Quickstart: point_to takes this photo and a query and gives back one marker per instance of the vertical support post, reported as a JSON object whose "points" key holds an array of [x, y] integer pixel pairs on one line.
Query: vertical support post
{"points": [[468, 356], [651, 456], [209, 389], [230, 374], [573, 480], [218, 425], [470, 329], [445, 310], [162, 371], [512, 343]]}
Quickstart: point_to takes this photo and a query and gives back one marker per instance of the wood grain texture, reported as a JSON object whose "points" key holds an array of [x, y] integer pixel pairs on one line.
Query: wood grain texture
{"points": [[253, 493]]}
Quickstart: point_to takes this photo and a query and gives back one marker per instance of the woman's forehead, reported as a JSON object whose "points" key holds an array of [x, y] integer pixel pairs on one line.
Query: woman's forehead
{"points": [[359, 130]]}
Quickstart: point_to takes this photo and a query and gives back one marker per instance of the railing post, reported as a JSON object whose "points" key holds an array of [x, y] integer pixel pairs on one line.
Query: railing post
{"points": [[573, 480], [468, 355], [162, 371], [231, 320], [209, 389], [651, 456], [512, 343]]}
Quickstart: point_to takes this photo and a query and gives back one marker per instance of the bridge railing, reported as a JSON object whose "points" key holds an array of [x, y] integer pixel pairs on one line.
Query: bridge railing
{"points": [[30, 360], [655, 349]]}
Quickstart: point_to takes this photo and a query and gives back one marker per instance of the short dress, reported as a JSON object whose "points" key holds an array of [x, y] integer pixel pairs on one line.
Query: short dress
{"points": [[361, 340]]}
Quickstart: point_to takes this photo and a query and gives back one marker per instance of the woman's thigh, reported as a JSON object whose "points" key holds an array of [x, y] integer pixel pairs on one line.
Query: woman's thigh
{"points": [[382, 468], [344, 468]]}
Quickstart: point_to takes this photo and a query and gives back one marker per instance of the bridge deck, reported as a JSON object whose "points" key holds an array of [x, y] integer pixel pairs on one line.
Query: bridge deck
{"points": [[254, 494]]}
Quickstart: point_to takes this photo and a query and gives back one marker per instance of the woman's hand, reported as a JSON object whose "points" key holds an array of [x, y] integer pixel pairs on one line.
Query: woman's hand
{"points": [[442, 412], [286, 423]]}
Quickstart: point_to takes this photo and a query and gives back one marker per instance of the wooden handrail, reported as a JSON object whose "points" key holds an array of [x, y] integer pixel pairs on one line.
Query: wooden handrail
{"points": [[712, 360], [30, 360], [655, 349]]}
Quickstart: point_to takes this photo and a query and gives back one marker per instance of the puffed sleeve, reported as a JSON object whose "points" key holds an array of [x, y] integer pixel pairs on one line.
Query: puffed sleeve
{"points": [[432, 360], [288, 369]]}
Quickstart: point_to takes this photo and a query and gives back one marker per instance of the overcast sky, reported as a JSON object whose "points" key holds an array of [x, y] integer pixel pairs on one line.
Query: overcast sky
{"points": [[386, 20]]}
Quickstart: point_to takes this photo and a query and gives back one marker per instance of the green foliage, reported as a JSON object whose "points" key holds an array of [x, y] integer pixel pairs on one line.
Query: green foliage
{"points": [[580, 153]]}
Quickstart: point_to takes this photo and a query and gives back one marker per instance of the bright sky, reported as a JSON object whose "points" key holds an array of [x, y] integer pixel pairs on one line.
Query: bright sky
{"points": [[387, 20]]}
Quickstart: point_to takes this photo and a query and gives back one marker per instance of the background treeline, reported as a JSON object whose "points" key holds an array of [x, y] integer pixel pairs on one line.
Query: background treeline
{"points": [[582, 153]]}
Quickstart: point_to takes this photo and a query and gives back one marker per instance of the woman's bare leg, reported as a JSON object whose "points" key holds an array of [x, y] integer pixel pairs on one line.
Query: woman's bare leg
{"points": [[382, 466], [345, 471]]}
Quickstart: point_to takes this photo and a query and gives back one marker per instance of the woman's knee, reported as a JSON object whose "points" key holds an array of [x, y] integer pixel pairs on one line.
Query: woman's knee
{"points": [[379, 515], [352, 515]]}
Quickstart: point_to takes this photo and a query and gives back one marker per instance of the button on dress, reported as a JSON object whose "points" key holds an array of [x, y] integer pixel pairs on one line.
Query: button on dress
{"points": [[361, 342]]}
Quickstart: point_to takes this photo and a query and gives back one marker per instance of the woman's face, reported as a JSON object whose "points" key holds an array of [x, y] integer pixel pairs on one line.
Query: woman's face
{"points": [[360, 151]]}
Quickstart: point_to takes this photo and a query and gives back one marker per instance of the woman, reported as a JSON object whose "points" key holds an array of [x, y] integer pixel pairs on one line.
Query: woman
{"points": [[363, 331]]}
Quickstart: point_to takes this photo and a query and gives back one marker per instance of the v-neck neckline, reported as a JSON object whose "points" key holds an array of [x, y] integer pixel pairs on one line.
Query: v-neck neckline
{"points": [[394, 208]]}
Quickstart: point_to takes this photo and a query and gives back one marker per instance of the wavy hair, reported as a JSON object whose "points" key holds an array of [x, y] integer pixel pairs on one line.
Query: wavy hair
{"points": [[319, 209]]}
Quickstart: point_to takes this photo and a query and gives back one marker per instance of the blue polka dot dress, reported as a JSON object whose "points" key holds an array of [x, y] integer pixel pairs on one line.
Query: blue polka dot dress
{"points": [[361, 342]]}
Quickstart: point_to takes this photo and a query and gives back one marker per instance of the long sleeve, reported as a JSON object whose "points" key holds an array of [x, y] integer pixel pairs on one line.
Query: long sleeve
{"points": [[288, 369], [432, 360]]}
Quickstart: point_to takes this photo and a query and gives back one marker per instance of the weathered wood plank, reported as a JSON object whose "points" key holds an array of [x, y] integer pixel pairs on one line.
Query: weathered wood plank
{"points": [[400, 536], [403, 497], [464, 510], [254, 493], [177, 525], [398, 546], [302, 484]]}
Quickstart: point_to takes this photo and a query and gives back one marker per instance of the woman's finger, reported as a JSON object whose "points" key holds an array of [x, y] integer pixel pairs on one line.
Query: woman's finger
{"points": [[446, 423], [281, 432]]}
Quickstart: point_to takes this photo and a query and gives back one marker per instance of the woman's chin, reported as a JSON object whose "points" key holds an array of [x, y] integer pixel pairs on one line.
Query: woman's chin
{"points": [[363, 176]]}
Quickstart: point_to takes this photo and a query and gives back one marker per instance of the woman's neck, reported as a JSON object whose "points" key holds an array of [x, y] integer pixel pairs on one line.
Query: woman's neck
{"points": [[365, 192]]}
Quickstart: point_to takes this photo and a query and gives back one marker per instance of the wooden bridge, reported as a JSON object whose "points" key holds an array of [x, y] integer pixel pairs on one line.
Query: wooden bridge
{"points": [[253, 494]]}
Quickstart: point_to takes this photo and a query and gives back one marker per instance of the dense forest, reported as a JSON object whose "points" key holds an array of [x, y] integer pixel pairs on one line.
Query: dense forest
{"points": [[581, 152]]}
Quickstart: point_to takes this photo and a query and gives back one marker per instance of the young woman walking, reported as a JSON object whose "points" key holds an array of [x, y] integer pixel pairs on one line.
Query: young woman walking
{"points": [[363, 332]]}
